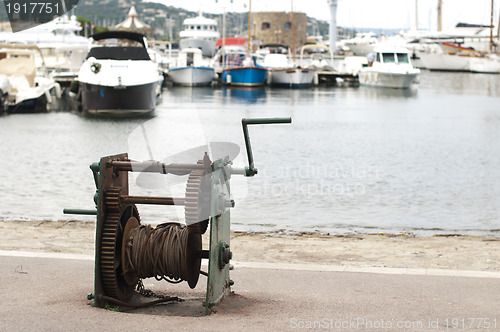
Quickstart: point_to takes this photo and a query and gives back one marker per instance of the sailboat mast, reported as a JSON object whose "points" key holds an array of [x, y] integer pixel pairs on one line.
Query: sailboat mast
{"points": [[293, 35], [249, 26], [491, 27], [416, 14], [440, 5], [224, 38]]}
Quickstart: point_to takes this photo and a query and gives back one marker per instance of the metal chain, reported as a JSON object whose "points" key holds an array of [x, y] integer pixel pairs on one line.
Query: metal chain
{"points": [[149, 293]]}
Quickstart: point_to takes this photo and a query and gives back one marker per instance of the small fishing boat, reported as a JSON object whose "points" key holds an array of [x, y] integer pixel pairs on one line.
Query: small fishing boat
{"points": [[243, 71], [118, 77], [190, 69], [390, 67], [283, 73]]}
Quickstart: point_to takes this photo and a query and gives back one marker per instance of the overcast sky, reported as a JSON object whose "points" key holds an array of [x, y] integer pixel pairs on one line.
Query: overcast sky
{"points": [[363, 13]]}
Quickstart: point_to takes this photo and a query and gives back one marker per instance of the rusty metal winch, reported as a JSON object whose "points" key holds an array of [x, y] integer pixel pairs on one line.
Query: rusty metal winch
{"points": [[128, 251]]}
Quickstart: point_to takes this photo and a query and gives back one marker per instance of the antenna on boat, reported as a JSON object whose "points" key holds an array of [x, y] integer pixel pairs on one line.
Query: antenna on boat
{"points": [[249, 26]]}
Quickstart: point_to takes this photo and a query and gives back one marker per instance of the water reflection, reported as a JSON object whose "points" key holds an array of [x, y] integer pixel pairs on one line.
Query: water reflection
{"points": [[386, 93], [463, 83], [183, 94], [244, 95]]}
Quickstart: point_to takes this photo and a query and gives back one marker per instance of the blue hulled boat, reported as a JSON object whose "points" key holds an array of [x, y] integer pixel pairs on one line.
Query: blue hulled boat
{"points": [[239, 69], [244, 76]]}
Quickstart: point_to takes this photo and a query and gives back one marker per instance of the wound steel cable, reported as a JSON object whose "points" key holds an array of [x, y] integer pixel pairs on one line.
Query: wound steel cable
{"points": [[159, 252]]}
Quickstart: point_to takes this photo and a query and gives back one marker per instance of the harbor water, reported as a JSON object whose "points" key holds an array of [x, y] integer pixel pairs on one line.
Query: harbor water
{"points": [[354, 160]]}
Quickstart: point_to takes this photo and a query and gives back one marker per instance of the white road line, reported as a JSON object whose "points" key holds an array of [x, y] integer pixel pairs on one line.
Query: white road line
{"points": [[289, 266]]}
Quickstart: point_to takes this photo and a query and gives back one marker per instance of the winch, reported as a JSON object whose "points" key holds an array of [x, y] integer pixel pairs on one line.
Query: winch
{"points": [[127, 251]]}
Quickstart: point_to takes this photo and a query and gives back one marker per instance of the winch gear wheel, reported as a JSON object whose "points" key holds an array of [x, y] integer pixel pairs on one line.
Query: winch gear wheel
{"points": [[197, 202], [116, 218]]}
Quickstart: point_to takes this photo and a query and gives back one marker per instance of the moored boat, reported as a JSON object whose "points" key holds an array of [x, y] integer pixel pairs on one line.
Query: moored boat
{"points": [[28, 91], [243, 71], [283, 73], [199, 32], [190, 70], [451, 57], [118, 77], [390, 68]]}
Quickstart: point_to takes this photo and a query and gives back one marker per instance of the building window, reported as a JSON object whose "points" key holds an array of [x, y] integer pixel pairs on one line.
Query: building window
{"points": [[287, 26], [266, 25]]}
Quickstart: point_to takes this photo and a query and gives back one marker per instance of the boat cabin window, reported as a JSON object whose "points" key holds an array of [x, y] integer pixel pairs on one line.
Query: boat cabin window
{"points": [[234, 59], [119, 53], [189, 59], [388, 57], [198, 27], [378, 58], [402, 58]]}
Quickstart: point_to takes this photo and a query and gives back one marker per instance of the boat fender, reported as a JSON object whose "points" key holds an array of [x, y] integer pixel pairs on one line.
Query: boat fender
{"points": [[95, 67], [74, 86], [48, 96], [58, 90]]}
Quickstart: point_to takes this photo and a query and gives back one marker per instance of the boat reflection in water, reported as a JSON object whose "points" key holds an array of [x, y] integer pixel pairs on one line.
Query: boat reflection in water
{"points": [[188, 94], [384, 94], [245, 95]]}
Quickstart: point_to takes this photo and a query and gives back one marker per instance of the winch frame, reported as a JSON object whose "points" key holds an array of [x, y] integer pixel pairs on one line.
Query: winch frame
{"points": [[112, 194]]}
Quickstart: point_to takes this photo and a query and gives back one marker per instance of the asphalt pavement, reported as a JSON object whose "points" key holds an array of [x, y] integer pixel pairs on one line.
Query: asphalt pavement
{"points": [[50, 294]]}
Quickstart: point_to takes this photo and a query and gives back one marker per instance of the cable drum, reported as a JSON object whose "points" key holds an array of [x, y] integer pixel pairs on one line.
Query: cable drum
{"points": [[168, 252]]}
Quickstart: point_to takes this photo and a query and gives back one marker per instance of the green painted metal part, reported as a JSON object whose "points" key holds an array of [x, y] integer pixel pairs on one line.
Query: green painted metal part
{"points": [[80, 211], [218, 283], [251, 170]]}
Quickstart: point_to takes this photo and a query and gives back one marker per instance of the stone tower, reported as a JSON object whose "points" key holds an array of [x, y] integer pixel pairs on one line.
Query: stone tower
{"points": [[276, 28]]}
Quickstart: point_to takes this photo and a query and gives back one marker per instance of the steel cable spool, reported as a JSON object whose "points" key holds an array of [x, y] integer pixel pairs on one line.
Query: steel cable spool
{"points": [[167, 252]]}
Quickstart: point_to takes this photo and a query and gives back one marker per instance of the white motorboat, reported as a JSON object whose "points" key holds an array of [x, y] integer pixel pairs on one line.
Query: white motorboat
{"points": [[199, 32], [118, 77], [62, 61], [60, 30], [190, 69], [28, 90], [63, 50], [4, 92], [362, 44], [390, 68]]}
